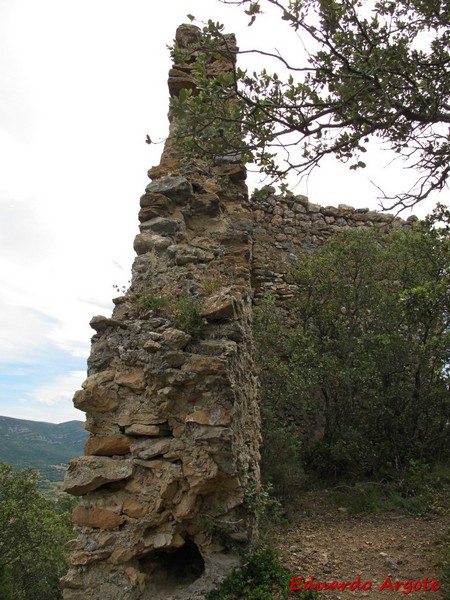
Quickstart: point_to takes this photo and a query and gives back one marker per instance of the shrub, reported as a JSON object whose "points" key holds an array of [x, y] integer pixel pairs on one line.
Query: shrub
{"points": [[187, 315], [359, 383], [262, 577], [32, 537], [213, 281], [148, 301]]}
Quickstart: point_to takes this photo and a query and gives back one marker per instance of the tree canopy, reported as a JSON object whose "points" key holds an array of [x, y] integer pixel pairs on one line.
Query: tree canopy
{"points": [[363, 70], [33, 532]]}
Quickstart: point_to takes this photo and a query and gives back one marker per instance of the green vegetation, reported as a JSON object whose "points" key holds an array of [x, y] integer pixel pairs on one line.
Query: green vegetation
{"points": [[418, 489], [33, 531], [358, 388], [213, 282], [184, 310], [359, 73], [187, 315], [147, 301], [261, 578]]}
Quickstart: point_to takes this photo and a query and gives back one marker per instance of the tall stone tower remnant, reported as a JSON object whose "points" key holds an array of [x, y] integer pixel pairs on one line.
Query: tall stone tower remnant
{"points": [[171, 393], [171, 396]]}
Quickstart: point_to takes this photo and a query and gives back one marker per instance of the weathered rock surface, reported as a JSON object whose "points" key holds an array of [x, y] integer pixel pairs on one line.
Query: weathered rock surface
{"points": [[174, 187], [284, 228], [88, 473], [97, 518], [107, 445], [170, 403], [211, 416], [171, 394], [224, 306]]}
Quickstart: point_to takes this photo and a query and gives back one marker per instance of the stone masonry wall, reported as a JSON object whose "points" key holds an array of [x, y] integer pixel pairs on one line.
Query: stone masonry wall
{"points": [[171, 396], [171, 393], [284, 228]]}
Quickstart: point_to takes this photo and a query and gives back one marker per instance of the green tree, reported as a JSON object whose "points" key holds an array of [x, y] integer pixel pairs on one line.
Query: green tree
{"points": [[33, 532], [361, 71], [362, 380]]}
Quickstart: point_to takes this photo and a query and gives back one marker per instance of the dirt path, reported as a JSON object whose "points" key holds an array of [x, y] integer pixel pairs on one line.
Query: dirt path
{"points": [[332, 545]]}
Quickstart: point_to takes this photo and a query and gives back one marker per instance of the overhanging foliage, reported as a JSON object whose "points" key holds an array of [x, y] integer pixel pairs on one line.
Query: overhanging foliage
{"points": [[371, 70]]}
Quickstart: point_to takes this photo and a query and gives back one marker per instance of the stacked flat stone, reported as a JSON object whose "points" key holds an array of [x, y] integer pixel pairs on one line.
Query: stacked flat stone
{"points": [[286, 227], [172, 411]]}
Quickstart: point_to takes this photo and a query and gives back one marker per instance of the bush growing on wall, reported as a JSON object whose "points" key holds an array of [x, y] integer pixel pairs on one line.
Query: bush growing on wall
{"points": [[360, 386]]}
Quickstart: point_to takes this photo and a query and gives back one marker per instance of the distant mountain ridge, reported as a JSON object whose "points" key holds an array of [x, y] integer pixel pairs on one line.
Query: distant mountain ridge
{"points": [[46, 447]]}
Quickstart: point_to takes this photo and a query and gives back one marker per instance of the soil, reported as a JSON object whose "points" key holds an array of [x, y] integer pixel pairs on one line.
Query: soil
{"points": [[332, 545]]}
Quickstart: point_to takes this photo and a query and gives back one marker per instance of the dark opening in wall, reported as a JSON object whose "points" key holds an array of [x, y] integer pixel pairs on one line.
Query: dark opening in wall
{"points": [[172, 569]]}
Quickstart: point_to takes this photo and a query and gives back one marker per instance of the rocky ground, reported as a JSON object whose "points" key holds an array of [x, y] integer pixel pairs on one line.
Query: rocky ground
{"points": [[330, 544]]}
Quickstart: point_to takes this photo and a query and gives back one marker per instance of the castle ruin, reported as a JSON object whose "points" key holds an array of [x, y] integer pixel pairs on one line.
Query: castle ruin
{"points": [[171, 397]]}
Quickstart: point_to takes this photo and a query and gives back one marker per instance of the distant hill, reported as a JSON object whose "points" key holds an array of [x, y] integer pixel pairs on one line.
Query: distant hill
{"points": [[46, 447]]}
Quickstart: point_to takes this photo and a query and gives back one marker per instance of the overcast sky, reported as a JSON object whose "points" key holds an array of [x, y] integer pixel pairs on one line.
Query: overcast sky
{"points": [[81, 84]]}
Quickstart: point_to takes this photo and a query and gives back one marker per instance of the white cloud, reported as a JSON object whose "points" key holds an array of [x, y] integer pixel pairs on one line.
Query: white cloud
{"points": [[59, 391], [50, 402], [24, 331]]}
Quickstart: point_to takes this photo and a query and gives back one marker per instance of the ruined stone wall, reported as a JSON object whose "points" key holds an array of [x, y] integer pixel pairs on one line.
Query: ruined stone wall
{"points": [[171, 396], [284, 228]]}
